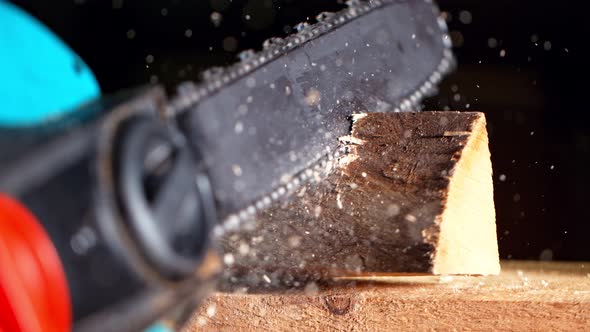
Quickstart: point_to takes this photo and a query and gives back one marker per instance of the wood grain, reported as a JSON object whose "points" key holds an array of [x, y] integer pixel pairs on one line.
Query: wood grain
{"points": [[413, 195], [526, 296]]}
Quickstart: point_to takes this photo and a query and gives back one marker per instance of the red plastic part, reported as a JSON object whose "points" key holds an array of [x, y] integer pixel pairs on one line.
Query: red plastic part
{"points": [[34, 295]]}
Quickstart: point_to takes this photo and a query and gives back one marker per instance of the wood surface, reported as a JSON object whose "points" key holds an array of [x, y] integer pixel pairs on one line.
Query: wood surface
{"points": [[526, 296], [413, 195]]}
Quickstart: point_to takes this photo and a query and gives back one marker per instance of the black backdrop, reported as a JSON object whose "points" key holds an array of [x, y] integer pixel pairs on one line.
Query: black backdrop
{"points": [[523, 63]]}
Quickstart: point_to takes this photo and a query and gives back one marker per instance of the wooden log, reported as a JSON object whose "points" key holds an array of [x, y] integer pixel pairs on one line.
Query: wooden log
{"points": [[526, 296], [413, 195]]}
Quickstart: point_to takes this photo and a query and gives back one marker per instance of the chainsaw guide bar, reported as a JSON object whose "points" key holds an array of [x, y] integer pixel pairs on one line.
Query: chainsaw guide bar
{"points": [[272, 121]]}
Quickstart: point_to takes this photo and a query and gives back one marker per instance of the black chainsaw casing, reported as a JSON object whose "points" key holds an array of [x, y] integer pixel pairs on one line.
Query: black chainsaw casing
{"points": [[83, 177]]}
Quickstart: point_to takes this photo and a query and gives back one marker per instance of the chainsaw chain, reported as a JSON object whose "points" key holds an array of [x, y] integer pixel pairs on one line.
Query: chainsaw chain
{"points": [[189, 94]]}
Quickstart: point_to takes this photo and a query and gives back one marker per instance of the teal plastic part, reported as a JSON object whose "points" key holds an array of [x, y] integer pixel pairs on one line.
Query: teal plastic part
{"points": [[41, 77], [159, 327]]}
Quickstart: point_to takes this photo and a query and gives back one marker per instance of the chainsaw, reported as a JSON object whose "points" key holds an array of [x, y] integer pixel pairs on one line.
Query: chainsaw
{"points": [[109, 215]]}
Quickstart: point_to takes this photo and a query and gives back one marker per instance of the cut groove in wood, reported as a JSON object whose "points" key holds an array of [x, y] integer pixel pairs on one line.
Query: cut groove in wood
{"points": [[414, 195]]}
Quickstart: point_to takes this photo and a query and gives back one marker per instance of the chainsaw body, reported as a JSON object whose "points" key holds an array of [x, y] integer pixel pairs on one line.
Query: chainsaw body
{"points": [[132, 191]]}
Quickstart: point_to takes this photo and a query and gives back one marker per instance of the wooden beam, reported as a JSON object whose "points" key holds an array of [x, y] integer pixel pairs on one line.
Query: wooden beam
{"points": [[526, 296], [413, 195]]}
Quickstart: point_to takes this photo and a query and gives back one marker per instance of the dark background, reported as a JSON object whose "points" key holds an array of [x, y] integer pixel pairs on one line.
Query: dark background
{"points": [[523, 63]]}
